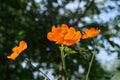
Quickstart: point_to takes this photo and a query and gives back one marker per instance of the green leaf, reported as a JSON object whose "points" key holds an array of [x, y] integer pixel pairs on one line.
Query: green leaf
{"points": [[69, 50], [116, 76]]}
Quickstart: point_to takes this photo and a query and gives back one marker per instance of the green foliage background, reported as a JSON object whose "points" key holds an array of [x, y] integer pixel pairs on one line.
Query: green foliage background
{"points": [[31, 20]]}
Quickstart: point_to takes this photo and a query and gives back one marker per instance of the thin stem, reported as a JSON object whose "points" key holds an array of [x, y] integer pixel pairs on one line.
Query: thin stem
{"points": [[37, 68], [63, 60], [93, 55], [62, 57]]}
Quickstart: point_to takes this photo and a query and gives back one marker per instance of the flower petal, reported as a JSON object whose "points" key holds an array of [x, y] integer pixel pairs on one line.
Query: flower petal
{"points": [[54, 29], [13, 56], [23, 45], [77, 36], [70, 34], [64, 26], [51, 36]]}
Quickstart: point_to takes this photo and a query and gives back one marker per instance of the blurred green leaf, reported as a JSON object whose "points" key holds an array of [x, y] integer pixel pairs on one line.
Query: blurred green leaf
{"points": [[69, 50], [116, 76]]}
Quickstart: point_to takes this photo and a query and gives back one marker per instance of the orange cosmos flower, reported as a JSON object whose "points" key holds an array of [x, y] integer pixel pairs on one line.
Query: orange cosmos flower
{"points": [[17, 50], [89, 33], [64, 35]]}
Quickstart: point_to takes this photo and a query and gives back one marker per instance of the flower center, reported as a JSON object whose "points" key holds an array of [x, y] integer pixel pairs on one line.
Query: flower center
{"points": [[63, 31]]}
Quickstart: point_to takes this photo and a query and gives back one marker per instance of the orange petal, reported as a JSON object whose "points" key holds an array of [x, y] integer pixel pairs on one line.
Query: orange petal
{"points": [[15, 49], [59, 38], [87, 31], [85, 36], [50, 36], [13, 56], [54, 29], [72, 29], [64, 26], [23, 45], [69, 42], [77, 36], [64, 29], [70, 34]]}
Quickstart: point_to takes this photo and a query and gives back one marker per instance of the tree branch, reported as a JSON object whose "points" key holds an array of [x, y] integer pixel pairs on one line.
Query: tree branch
{"points": [[84, 13], [76, 10]]}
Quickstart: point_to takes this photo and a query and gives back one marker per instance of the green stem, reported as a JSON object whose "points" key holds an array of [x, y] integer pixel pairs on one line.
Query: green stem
{"points": [[93, 55], [63, 60]]}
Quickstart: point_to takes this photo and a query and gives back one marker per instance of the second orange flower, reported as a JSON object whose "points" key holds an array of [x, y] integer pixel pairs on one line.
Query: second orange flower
{"points": [[64, 35], [17, 50], [90, 33]]}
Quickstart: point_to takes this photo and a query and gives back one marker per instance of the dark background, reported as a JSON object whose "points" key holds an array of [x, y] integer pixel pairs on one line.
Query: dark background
{"points": [[31, 20]]}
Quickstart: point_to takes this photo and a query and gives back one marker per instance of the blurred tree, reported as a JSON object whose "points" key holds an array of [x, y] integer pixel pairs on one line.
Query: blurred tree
{"points": [[31, 20]]}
